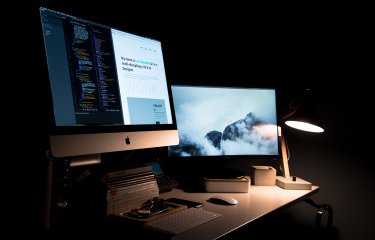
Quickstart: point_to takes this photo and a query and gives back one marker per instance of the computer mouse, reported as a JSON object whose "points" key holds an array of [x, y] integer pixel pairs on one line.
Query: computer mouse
{"points": [[223, 200]]}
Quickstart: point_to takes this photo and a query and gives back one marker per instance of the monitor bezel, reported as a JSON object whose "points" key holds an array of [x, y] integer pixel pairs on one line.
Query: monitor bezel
{"points": [[263, 159]]}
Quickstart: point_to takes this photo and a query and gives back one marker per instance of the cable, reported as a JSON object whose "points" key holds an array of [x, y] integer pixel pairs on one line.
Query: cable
{"points": [[320, 210]]}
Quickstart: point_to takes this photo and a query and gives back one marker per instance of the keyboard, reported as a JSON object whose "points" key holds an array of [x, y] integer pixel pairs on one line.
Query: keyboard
{"points": [[181, 221], [165, 183]]}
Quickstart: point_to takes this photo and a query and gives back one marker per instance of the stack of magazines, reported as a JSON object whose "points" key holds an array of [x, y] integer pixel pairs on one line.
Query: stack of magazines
{"points": [[129, 188]]}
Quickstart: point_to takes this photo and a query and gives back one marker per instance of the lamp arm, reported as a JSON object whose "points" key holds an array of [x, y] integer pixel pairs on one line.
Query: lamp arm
{"points": [[284, 158]]}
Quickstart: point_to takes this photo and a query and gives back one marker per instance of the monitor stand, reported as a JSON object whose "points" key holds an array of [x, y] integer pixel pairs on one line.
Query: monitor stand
{"points": [[84, 160]]}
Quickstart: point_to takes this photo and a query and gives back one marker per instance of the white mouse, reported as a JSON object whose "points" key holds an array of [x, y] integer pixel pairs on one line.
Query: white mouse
{"points": [[223, 200]]}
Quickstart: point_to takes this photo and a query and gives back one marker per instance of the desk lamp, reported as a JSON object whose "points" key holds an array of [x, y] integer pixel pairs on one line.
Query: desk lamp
{"points": [[302, 115]]}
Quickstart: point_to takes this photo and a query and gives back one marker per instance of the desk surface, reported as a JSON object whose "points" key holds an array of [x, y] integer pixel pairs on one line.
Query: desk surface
{"points": [[258, 202]]}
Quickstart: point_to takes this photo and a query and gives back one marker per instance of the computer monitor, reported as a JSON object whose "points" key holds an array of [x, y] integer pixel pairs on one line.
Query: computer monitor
{"points": [[220, 122], [109, 89]]}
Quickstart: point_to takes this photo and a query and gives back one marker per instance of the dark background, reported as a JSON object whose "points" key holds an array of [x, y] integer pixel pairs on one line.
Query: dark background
{"points": [[290, 47]]}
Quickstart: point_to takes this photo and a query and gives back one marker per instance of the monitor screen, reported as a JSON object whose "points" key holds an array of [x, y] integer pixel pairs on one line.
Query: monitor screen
{"points": [[225, 121], [108, 87]]}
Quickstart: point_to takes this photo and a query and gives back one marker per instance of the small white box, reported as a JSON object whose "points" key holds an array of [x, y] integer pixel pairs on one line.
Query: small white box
{"points": [[238, 185], [263, 175]]}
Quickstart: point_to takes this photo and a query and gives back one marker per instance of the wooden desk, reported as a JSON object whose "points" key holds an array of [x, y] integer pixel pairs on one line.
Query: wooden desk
{"points": [[257, 203]]}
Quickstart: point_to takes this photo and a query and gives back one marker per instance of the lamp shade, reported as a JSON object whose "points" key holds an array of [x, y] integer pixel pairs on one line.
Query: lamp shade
{"points": [[305, 115]]}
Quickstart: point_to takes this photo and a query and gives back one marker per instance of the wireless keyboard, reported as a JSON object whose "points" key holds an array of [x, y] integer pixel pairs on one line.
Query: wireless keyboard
{"points": [[181, 221]]}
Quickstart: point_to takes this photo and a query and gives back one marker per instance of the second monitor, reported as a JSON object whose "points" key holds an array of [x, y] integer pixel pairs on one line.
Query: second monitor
{"points": [[225, 121], [221, 126]]}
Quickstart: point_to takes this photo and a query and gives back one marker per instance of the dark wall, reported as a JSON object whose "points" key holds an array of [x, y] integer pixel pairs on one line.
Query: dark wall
{"points": [[338, 161], [290, 50]]}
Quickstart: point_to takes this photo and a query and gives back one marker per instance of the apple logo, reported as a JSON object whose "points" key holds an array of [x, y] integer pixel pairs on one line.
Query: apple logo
{"points": [[127, 140]]}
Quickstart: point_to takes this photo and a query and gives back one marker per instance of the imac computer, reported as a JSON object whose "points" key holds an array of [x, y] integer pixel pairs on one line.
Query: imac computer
{"points": [[109, 90], [221, 122]]}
